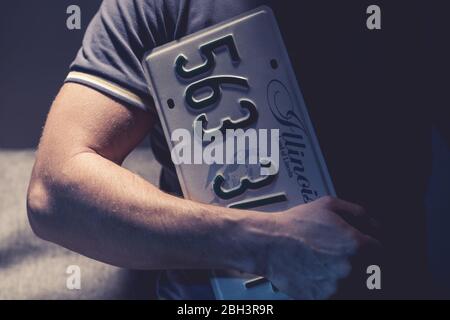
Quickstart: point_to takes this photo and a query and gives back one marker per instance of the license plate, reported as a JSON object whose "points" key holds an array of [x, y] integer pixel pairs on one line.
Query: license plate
{"points": [[238, 74]]}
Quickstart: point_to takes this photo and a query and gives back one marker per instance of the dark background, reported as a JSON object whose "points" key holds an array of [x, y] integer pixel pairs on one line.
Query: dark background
{"points": [[36, 49]]}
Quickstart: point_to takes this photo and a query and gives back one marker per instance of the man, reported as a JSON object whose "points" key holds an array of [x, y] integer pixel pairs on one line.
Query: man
{"points": [[364, 113]]}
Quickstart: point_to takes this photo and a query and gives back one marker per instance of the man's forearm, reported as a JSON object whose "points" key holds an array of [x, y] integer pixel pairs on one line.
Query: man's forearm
{"points": [[97, 208]]}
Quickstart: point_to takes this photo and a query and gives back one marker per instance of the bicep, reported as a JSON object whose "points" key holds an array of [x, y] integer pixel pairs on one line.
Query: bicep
{"points": [[84, 120]]}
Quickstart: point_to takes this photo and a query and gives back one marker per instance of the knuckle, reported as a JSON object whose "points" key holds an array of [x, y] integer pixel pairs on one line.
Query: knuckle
{"points": [[355, 243], [369, 244], [328, 201], [360, 243], [363, 244]]}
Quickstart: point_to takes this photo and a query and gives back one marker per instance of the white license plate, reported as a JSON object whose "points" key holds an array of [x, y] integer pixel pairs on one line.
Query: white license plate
{"points": [[242, 59]]}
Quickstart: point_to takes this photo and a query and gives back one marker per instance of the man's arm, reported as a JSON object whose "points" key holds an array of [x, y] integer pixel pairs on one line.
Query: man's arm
{"points": [[81, 198]]}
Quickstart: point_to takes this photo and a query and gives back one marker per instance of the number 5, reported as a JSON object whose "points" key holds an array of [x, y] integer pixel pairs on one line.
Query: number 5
{"points": [[207, 51]]}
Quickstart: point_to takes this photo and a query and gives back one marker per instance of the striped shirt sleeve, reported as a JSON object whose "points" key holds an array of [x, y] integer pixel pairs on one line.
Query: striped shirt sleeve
{"points": [[114, 44]]}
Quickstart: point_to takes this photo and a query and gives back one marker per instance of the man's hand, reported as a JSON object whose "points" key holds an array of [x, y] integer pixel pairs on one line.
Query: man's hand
{"points": [[311, 247]]}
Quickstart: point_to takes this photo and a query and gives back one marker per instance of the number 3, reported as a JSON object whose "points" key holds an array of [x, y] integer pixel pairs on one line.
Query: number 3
{"points": [[245, 184]]}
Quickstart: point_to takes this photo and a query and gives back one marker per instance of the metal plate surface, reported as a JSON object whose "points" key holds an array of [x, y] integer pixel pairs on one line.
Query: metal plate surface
{"points": [[238, 75]]}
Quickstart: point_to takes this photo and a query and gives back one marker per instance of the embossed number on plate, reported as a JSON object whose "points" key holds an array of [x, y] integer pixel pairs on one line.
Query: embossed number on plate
{"points": [[237, 75]]}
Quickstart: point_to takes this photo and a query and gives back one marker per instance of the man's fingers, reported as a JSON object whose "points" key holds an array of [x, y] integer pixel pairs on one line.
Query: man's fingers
{"points": [[370, 244], [349, 207], [353, 214]]}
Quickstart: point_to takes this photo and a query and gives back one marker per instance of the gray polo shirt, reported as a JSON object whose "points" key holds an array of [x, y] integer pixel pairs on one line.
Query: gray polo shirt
{"points": [[110, 61]]}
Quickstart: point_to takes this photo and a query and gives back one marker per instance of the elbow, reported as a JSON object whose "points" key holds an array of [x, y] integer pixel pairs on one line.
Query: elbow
{"points": [[40, 211]]}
